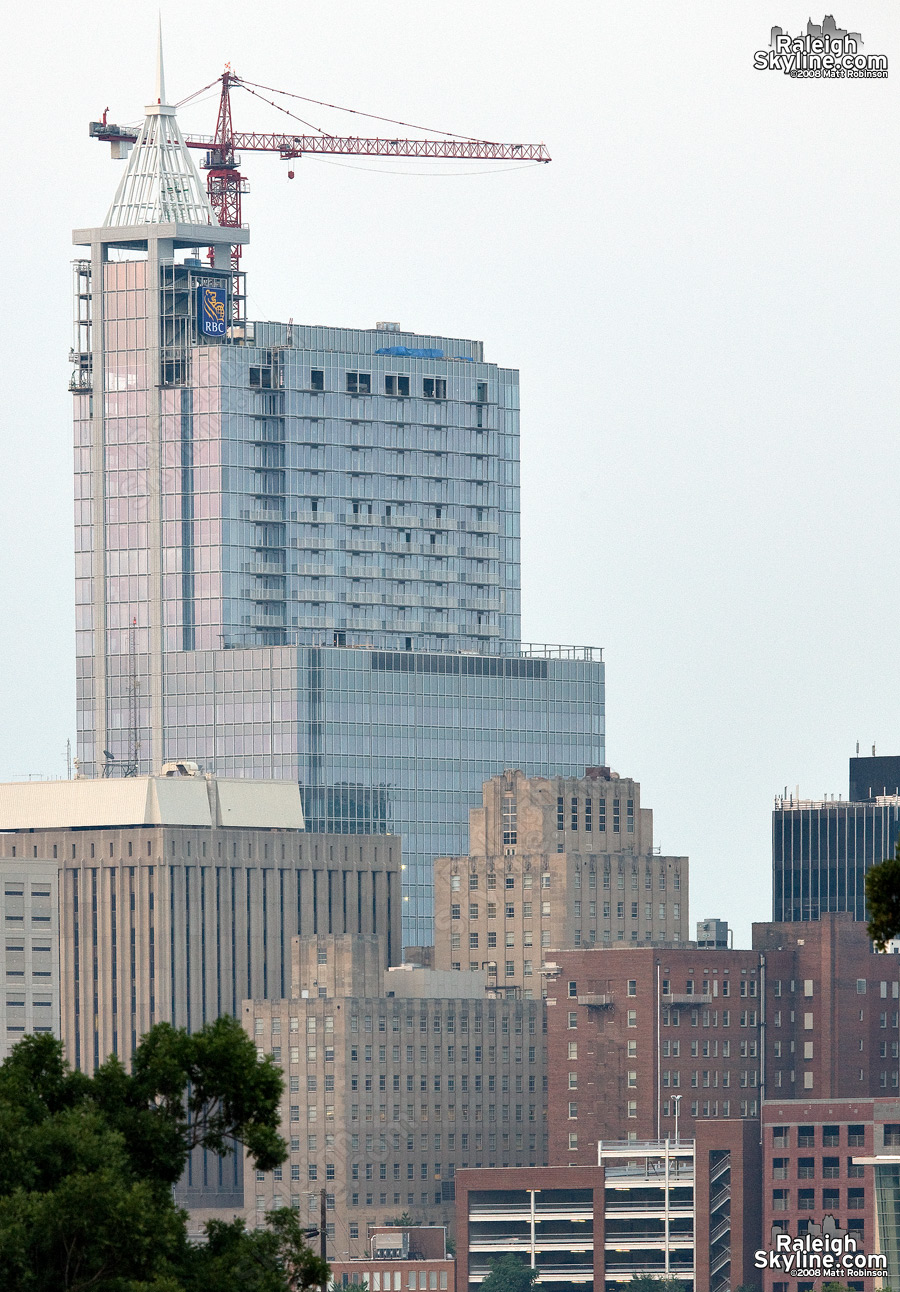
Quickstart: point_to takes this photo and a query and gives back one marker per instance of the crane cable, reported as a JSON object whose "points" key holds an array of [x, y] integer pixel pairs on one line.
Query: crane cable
{"points": [[355, 111]]}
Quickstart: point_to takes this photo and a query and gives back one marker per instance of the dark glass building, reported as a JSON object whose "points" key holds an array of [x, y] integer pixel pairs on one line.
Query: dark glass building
{"points": [[821, 850]]}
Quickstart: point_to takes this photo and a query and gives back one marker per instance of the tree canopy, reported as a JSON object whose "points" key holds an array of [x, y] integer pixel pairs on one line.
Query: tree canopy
{"points": [[88, 1166], [509, 1274], [883, 900]]}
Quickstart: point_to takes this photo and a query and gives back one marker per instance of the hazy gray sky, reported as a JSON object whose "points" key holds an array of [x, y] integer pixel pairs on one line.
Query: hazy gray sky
{"points": [[700, 292]]}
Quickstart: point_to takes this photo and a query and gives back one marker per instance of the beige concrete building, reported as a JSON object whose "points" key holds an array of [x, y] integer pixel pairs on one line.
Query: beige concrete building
{"points": [[179, 896], [555, 863], [388, 1094], [29, 952]]}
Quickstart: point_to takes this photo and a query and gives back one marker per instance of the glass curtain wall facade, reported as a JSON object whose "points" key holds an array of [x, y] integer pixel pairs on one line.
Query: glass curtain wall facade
{"points": [[821, 852], [297, 555]]}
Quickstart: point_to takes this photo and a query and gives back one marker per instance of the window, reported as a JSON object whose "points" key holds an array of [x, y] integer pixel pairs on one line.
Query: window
{"points": [[806, 1168], [632, 1108], [780, 1199], [434, 387], [573, 1141], [573, 1050], [509, 822], [359, 383], [632, 1018], [806, 1136], [455, 910], [632, 986], [396, 384], [573, 1111], [573, 989], [856, 1136], [573, 1018], [806, 1199], [860, 986], [317, 379]]}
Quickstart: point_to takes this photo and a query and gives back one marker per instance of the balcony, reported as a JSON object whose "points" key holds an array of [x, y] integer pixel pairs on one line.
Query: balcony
{"points": [[481, 553], [263, 515], [596, 1000], [266, 567], [314, 567], [266, 594], [686, 998]]}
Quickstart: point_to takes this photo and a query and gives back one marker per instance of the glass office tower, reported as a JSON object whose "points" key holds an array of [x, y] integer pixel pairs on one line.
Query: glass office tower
{"points": [[822, 849], [298, 547]]}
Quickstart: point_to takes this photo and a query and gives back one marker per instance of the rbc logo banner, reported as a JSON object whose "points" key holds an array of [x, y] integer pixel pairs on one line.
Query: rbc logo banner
{"points": [[211, 310]]}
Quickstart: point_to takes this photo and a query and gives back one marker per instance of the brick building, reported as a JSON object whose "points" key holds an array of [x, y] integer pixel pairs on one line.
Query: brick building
{"points": [[561, 862], [811, 1010], [400, 1258], [832, 1010], [630, 1032], [811, 1169], [386, 1097]]}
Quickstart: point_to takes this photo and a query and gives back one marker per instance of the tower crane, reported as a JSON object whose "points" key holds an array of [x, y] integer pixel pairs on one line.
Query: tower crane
{"points": [[225, 184]]}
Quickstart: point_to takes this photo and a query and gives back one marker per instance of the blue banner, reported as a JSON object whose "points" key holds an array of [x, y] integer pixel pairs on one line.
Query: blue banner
{"points": [[212, 310]]}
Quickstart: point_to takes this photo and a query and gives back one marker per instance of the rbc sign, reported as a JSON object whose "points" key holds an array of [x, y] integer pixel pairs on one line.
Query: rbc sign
{"points": [[211, 310]]}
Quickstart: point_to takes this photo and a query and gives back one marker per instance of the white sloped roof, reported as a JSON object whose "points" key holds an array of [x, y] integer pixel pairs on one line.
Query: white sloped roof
{"points": [[161, 185]]}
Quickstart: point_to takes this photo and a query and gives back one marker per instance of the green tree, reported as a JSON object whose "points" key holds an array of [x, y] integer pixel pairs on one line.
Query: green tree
{"points": [[883, 900], [354, 1287], [263, 1260], [509, 1274], [88, 1165]]}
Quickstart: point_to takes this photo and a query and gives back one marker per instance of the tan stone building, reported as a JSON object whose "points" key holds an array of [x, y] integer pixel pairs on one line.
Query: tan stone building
{"points": [[554, 863], [179, 896], [391, 1088]]}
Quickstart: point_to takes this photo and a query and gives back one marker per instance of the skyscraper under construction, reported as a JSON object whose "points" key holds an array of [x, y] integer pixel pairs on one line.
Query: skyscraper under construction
{"points": [[298, 546]]}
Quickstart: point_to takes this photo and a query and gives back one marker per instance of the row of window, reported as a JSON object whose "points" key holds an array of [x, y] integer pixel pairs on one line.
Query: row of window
{"points": [[397, 1140], [671, 1017], [711, 1049], [806, 1168], [831, 1136], [360, 383], [369, 1113], [379, 1023], [509, 881], [706, 1077], [831, 1200], [587, 817]]}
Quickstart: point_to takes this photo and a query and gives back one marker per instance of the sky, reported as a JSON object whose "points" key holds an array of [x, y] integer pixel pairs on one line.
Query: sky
{"points": [[700, 293]]}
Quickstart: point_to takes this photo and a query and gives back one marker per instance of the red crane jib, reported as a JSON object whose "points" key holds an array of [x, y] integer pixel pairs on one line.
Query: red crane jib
{"points": [[295, 145]]}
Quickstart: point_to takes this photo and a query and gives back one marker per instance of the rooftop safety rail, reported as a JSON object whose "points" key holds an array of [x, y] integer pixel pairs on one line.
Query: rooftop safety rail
{"points": [[544, 650], [792, 804]]}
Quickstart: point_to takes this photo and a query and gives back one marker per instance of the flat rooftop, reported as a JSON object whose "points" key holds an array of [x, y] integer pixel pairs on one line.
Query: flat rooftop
{"points": [[150, 801]]}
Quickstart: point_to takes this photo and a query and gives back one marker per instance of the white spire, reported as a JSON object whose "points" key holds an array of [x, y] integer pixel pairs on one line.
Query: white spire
{"points": [[162, 184], [160, 75]]}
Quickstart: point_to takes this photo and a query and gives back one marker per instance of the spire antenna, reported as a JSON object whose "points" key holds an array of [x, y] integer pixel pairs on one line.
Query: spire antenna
{"points": [[160, 75]]}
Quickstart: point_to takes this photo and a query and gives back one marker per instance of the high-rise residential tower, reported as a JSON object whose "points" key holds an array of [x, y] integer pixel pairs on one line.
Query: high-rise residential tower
{"points": [[298, 547]]}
